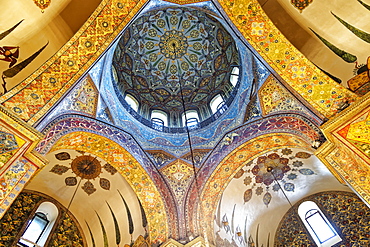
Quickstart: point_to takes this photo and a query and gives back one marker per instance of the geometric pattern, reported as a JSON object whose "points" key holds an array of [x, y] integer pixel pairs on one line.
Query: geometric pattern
{"points": [[8, 145], [178, 174], [33, 97], [129, 168], [228, 168], [160, 157], [357, 133], [313, 85], [166, 48], [274, 98], [42, 89], [198, 154], [83, 98], [349, 215], [7, 142], [86, 167]]}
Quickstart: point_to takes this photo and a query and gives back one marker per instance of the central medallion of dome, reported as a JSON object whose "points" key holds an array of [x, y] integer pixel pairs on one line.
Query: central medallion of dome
{"points": [[173, 44], [172, 56]]}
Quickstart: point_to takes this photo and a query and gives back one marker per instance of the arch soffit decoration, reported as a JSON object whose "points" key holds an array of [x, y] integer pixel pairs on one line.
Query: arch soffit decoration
{"points": [[60, 72], [130, 169], [230, 165]]}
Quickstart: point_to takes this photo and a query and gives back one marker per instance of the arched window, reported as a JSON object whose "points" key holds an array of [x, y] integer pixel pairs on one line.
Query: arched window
{"points": [[234, 76], [131, 101], [217, 104], [39, 226], [191, 119], [320, 229], [159, 119]]}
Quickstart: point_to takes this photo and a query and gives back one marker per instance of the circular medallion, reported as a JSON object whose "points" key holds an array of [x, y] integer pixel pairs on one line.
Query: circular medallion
{"points": [[86, 167], [173, 44]]}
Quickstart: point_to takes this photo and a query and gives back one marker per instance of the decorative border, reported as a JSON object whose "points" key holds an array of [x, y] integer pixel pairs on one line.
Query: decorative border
{"points": [[75, 57], [230, 165], [59, 73], [131, 170], [314, 86], [279, 125], [24, 163], [346, 166], [68, 124]]}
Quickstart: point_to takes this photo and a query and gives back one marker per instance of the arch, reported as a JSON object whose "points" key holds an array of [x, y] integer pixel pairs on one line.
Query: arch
{"points": [[125, 163], [349, 214], [230, 165], [247, 16]]}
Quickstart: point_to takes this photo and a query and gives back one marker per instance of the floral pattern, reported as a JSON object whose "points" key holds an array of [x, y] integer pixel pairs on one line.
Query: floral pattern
{"points": [[273, 171]]}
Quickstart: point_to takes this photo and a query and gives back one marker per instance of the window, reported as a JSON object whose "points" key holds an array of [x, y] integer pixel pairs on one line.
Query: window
{"points": [[191, 119], [318, 225], [159, 119], [234, 76], [132, 102], [217, 104], [39, 226]]}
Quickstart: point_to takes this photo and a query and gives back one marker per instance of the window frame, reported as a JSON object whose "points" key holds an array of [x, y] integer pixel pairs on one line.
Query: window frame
{"points": [[190, 121], [52, 213], [309, 209]]}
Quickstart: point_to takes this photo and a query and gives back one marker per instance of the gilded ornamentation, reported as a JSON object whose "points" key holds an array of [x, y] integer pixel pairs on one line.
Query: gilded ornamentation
{"points": [[285, 59], [171, 46], [179, 175], [129, 168], [347, 152], [8, 147], [15, 175], [62, 71], [274, 98], [42, 4], [198, 154], [230, 165], [343, 209], [301, 4]]}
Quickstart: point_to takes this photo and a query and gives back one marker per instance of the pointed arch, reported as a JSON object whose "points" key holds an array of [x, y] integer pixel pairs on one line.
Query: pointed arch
{"points": [[125, 163], [231, 164]]}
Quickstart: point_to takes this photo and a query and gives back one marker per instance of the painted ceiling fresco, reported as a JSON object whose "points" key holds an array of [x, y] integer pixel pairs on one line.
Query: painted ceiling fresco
{"points": [[132, 181], [84, 167], [164, 48], [177, 144], [254, 197], [357, 133], [67, 233], [82, 99], [343, 22], [107, 209]]}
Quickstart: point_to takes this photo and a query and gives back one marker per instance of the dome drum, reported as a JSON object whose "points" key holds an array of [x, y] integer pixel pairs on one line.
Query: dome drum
{"points": [[175, 60]]}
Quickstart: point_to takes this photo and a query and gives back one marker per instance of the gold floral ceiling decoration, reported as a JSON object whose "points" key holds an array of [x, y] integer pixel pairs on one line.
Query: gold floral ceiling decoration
{"points": [[42, 4], [84, 167]]}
